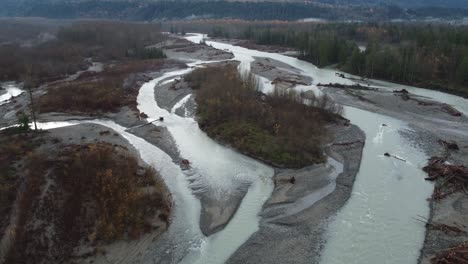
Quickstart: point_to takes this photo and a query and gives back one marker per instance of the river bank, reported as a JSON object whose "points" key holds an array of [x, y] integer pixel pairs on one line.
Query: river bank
{"points": [[430, 125], [294, 218], [129, 118], [405, 133], [234, 209], [216, 212], [46, 226]]}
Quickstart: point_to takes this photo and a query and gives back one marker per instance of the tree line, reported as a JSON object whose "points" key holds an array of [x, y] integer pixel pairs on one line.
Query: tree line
{"points": [[71, 46], [432, 56], [148, 10]]}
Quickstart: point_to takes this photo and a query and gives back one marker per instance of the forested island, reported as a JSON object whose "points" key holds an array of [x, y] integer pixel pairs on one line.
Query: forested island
{"points": [[277, 128]]}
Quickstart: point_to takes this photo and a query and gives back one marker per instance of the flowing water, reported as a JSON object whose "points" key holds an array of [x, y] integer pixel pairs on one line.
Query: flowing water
{"points": [[377, 223], [214, 167], [374, 226], [11, 90]]}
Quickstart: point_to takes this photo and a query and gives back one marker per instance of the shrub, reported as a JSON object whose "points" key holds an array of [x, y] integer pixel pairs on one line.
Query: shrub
{"points": [[152, 53], [102, 95], [278, 128], [97, 193], [23, 122], [69, 51], [13, 148]]}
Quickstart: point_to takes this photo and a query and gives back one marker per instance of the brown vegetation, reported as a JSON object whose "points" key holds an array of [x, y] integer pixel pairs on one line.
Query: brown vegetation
{"points": [[94, 194], [104, 95], [68, 52], [112, 40], [13, 148], [455, 255], [453, 178], [278, 128], [106, 91]]}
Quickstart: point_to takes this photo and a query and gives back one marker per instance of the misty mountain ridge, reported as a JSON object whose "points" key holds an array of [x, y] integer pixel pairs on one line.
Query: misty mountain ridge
{"points": [[153, 10], [400, 3]]}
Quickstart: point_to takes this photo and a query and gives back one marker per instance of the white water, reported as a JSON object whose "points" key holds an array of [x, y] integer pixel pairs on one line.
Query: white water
{"points": [[12, 90], [376, 225]]}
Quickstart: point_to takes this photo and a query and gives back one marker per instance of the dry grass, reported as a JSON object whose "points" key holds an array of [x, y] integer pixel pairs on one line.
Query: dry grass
{"points": [[106, 91], [89, 97], [455, 255], [96, 194], [100, 40], [13, 149]]}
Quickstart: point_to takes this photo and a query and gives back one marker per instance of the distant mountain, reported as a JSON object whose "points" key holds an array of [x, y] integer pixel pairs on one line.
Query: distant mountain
{"points": [[400, 3], [148, 10]]}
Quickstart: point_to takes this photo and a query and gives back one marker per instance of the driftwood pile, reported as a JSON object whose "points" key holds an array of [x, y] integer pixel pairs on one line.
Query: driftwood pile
{"points": [[356, 86], [455, 255], [455, 177]]}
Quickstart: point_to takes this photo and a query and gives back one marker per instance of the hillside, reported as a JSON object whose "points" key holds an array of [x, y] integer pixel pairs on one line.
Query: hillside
{"points": [[147, 10]]}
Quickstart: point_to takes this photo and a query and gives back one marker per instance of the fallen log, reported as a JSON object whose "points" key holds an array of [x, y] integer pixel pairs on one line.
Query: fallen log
{"points": [[160, 119], [403, 93], [450, 110], [143, 115], [386, 154], [348, 143], [344, 86]]}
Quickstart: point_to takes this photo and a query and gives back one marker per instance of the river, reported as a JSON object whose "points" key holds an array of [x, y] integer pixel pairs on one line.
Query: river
{"points": [[376, 224]]}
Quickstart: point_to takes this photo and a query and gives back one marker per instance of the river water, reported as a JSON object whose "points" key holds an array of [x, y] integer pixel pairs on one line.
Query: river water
{"points": [[376, 224], [214, 167], [11, 90]]}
